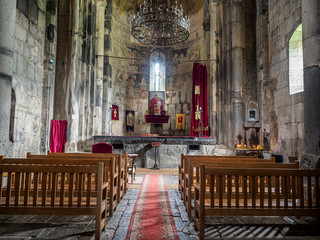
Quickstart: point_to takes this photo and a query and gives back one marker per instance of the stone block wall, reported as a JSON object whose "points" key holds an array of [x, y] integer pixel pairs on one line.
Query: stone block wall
{"points": [[178, 100], [28, 76], [127, 75], [286, 112]]}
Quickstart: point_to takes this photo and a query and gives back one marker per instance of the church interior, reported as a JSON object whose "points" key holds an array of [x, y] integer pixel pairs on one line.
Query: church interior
{"points": [[159, 119]]}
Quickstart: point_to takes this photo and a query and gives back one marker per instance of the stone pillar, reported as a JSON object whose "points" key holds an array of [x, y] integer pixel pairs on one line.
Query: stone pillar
{"points": [[238, 70], [49, 70], [97, 119], [74, 79], [263, 91], [7, 45], [214, 30], [311, 52]]}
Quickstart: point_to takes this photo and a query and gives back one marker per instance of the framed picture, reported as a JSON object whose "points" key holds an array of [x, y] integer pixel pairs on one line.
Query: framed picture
{"points": [[156, 102], [253, 115]]}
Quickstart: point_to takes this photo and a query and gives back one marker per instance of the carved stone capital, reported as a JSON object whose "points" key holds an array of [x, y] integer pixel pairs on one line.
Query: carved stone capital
{"points": [[310, 161]]}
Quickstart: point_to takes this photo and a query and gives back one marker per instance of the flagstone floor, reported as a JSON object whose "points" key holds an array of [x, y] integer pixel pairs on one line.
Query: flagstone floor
{"points": [[82, 227]]}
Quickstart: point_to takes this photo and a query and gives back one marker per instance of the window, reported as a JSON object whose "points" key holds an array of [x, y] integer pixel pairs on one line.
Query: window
{"points": [[296, 62], [157, 76], [157, 72]]}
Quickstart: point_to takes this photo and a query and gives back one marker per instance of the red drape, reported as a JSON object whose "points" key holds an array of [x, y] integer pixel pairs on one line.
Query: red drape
{"points": [[58, 132], [199, 100]]}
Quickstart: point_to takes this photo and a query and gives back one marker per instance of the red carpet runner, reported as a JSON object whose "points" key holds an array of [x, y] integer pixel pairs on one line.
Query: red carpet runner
{"points": [[152, 216]]}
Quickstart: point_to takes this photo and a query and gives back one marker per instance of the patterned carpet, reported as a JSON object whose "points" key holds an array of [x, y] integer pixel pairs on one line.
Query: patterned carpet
{"points": [[162, 171], [152, 216]]}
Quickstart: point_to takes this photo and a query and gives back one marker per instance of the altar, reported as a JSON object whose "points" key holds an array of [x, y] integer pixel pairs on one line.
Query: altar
{"points": [[168, 154]]}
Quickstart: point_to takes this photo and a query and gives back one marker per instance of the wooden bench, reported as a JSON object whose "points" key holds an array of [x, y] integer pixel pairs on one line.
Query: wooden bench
{"points": [[122, 163], [191, 178], [27, 192], [188, 160], [184, 161], [300, 193], [110, 174]]}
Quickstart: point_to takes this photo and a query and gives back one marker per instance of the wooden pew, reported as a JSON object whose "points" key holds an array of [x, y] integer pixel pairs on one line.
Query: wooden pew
{"points": [[123, 165], [186, 186], [301, 193], [121, 162], [36, 198], [194, 168], [110, 174], [184, 161]]}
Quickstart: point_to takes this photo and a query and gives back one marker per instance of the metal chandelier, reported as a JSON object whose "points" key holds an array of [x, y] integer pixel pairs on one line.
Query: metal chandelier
{"points": [[160, 22]]}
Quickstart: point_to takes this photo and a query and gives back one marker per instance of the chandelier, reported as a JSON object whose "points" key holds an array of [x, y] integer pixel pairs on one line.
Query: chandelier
{"points": [[160, 22]]}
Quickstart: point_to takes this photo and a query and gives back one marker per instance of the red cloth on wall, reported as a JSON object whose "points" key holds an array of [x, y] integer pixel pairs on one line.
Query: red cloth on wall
{"points": [[58, 131], [199, 100], [115, 113]]}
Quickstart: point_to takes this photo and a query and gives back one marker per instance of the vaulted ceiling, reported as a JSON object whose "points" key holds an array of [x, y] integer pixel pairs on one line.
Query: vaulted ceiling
{"points": [[122, 12]]}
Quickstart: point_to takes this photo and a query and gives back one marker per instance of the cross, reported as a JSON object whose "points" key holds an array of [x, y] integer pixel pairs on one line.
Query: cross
{"points": [[115, 112]]}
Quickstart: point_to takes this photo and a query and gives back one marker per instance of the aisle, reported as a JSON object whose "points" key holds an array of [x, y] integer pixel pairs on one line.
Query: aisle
{"points": [[118, 226], [152, 217]]}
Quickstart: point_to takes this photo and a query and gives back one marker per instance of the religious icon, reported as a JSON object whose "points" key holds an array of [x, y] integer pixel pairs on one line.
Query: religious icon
{"points": [[130, 121], [253, 115], [180, 121], [156, 102], [197, 113], [115, 113], [197, 90]]}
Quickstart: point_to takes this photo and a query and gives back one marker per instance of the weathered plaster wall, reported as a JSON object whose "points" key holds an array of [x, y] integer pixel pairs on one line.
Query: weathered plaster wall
{"points": [[285, 111], [28, 76], [127, 77]]}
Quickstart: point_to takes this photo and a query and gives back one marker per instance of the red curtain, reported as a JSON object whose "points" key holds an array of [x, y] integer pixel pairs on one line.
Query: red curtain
{"points": [[199, 103], [58, 133]]}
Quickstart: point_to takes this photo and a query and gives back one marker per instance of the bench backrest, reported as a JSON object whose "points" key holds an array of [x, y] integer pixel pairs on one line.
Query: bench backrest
{"points": [[109, 169], [122, 159], [30, 185], [286, 186], [189, 160], [183, 157]]}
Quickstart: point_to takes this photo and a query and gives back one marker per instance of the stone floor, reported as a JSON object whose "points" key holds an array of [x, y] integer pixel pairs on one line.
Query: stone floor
{"points": [[82, 227]]}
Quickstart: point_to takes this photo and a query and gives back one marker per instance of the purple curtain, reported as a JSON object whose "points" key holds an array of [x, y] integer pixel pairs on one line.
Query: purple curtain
{"points": [[58, 133]]}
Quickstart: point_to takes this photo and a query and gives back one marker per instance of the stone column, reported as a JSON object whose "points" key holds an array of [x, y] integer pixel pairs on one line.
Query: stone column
{"points": [[311, 52], [263, 91], [214, 30], [97, 119], [238, 70], [7, 45], [74, 79]]}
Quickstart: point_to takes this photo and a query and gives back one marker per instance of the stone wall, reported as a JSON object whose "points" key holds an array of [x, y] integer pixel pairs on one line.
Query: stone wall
{"points": [[285, 111], [28, 75], [127, 75]]}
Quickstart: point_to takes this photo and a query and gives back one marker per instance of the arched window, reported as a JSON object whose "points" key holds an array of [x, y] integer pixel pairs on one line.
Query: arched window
{"points": [[157, 72], [296, 62]]}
